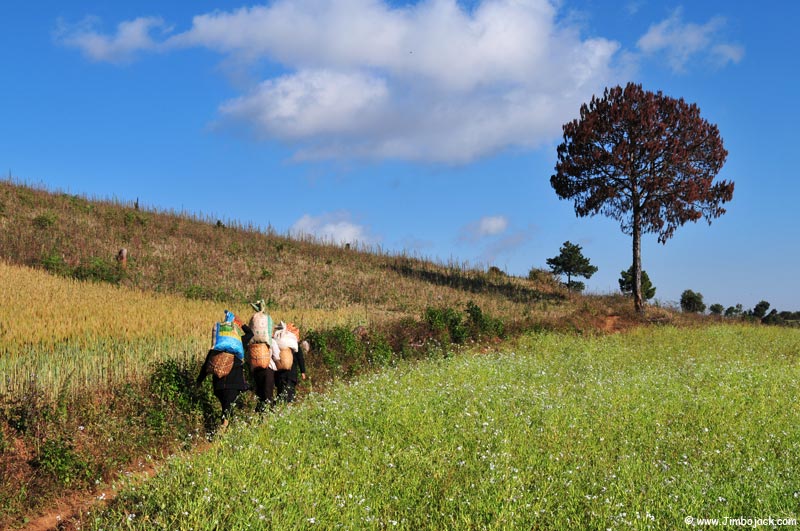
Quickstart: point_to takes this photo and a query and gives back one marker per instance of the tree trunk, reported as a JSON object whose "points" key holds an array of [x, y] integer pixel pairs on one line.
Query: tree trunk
{"points": [[638, 304]]}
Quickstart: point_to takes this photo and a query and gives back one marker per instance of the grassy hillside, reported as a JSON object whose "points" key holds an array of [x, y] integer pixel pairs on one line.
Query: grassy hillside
{"points": [[221, 260], [98, 359]]}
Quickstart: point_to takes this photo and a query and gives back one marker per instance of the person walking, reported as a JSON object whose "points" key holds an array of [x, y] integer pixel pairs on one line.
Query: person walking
{"points": [[228, 384], [263, 352], [286, 375], [264, 377]]}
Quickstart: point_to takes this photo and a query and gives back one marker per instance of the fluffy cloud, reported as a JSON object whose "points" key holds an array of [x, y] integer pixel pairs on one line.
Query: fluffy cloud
{"points": [[335, 228], [431, 81], [484, 227], [681, 41], [131, 37], [490, 226]]}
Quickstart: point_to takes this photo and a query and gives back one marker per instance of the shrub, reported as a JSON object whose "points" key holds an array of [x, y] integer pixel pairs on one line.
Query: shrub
{"points": [[379, 352], [45, 221], [320, 344], [99, 270], [58, 458], [54, 263], [448, 322]]}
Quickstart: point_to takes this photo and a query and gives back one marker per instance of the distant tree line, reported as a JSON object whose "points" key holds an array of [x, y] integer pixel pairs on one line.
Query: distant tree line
{"points": [[692, 302]]}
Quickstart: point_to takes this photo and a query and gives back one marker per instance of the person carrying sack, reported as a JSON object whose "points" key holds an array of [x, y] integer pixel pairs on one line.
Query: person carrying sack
{"points": [[291, 359], [225, 362], [262, 352]]}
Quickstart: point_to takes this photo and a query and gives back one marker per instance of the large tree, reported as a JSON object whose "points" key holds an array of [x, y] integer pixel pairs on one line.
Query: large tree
{"points": [[644, 159], [571, 262]]}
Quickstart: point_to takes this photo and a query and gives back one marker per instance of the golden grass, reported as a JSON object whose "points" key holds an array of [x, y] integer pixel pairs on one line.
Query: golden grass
{"points": [[62, 334]]}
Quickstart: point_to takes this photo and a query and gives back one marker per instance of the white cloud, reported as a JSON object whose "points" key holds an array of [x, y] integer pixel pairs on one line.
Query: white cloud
{"points": [[680, 41], [727, 53], [489, 226], [334, 227], [431, 81], [310, 104], [486, 226], [131, 37]]}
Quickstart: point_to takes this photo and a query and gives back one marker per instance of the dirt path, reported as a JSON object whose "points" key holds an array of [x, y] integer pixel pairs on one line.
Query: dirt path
{"points": [[66, 513]]}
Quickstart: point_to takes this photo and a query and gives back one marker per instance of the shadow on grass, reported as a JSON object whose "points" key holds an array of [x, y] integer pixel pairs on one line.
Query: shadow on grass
{"points": [[475, 284]]}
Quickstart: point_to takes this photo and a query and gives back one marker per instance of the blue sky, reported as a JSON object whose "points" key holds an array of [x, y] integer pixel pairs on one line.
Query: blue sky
{"points": [[424, 127]]}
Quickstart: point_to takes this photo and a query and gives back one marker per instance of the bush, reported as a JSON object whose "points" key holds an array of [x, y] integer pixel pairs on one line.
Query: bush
{"points": [[58, 458], [540, 276], [448, 322], [379, 352], [483, 325], [45, 221], [54, 263], [99, 270]]}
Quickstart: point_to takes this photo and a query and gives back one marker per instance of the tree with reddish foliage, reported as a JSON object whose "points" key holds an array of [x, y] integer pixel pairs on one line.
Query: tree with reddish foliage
{"points": [[644, 159]]}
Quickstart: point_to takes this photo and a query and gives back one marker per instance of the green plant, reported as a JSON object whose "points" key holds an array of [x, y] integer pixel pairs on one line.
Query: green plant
{"points": [[131, 219], [626, 284], [173, 382], [99, 270], [379, 351], [622, 431], [45, 221], [320, 342], [54, 262], [481, 324], [58, 458], [449, 321]]}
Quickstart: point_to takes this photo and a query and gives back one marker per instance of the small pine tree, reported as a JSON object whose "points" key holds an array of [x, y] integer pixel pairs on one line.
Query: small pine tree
{"points": [[626, 284], [572, 263]]}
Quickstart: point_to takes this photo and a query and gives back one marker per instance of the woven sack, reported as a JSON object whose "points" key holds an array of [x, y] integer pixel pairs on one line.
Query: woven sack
{"points": [[259, 355], [221, 364], [287, 358], [261, 325]]}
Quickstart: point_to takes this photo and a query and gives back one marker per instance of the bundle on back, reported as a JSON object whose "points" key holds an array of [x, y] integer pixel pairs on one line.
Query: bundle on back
{"points": [[261, 323], [287, 336], [226, 336]]}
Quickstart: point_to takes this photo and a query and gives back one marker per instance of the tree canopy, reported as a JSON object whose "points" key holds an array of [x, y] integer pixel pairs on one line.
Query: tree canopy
{"points": [[692, 302], [644, 159]]}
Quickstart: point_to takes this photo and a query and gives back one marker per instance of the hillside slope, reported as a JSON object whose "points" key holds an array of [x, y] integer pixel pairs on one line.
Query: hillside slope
{"points": [[224, 261]]}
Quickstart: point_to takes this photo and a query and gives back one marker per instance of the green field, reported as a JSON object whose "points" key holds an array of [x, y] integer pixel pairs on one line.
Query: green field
{"points": [[631, 431]]}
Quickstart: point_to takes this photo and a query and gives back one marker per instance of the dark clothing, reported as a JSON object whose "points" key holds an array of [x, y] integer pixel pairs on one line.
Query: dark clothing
{"points": [[265, 387], [285, 381], [227, 399], [228, 388], [233, 381]]}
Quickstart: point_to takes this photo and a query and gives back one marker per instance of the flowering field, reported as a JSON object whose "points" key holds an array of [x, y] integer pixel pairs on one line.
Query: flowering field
{"points": [[633, 431]]}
